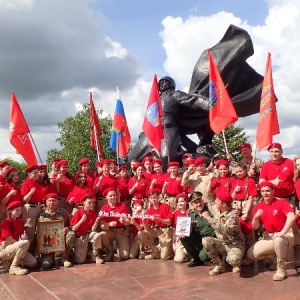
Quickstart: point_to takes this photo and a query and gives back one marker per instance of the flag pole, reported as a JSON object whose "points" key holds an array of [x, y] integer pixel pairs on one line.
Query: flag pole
{"points": [[118, 97], [35, 147], [97, 142], [254, 151], [225, 144]]}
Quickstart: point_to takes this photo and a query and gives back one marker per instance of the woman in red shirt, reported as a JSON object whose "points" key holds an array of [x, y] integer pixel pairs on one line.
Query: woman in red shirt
{"points": [[123, 180], [14, 242], [47, 187]]}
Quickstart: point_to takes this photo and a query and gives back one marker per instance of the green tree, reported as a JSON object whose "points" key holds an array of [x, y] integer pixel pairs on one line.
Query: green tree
{"points": [[235, 135], [75, 139]]}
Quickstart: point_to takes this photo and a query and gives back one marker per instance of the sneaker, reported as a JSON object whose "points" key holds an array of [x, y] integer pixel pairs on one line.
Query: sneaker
{"points": [[152, 255], [99, 261], [236, 270], [17, 271], [217, 270], [66, 263]]}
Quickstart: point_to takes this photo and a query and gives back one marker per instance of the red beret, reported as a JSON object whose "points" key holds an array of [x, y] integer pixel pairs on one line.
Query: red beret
{"points": [[157, 161], [190, 162], [51, 195], [105, 162], [8, 171], [199, 161], [3, 163], [173, 164], [98, 164], [13, 205], [62, 162], [222, 162], [184, 195], [124, 167], [153, 191], [275, 145], [186, 155], [42, 167], [110, 189], [138, 196], [224, 197], [266, 183], [84, 161], [88, 196], [147, 158], [56, 159], [244, 145], [138, 165], [31, 168], [138, 201]]}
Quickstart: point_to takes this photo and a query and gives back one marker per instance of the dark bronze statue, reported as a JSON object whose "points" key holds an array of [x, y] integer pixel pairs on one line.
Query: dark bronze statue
{"points": [[187, 113]]}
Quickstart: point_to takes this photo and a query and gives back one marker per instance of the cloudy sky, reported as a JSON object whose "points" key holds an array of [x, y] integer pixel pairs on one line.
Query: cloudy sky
{"points": [[53, 53]]}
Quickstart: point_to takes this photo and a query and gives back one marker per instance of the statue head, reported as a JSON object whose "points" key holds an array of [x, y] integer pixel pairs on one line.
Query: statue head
{"points": [[166, 83]]}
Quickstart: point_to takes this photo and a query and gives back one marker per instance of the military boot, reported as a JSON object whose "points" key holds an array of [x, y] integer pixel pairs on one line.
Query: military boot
{"points": [[110, 254], [281, 272], [96, 257], [218, 269]]}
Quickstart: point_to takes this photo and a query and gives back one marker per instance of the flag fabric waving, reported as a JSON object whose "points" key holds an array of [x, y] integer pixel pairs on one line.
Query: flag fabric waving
{"points": [[268, 121], [19, 132], [96, 129], [152, 125], [221, 110], [120, 137]]}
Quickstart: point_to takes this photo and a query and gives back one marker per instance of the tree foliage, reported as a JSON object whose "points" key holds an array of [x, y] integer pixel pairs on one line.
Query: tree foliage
{"points": [[75, 139], [235, 136]]}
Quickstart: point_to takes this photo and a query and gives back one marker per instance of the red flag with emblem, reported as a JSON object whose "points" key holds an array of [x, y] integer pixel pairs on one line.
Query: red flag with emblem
{"points": [[152, 125], [96, 129], [19, 132], [268, 121]]}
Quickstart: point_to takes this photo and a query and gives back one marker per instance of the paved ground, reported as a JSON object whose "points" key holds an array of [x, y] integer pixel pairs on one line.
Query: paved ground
{"points": [[140, 279]]}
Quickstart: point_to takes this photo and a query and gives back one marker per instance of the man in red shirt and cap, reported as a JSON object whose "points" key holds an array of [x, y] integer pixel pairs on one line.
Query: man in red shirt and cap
{"points": [[278, 217]]}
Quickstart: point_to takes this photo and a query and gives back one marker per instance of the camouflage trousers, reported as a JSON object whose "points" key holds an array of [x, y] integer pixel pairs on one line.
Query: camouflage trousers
{"points": [[217, 251], [165, 238], [81, 245], [268, 247]]}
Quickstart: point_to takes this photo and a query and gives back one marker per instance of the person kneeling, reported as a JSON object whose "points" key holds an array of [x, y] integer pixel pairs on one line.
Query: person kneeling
{"points": [[14, 242], [85, 223]]}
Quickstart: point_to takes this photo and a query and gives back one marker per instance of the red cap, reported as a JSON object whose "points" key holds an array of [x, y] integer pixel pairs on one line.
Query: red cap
{"points": [[157, 161], [62, 162], [51, 195], [222, 162], [173, 164], [3, 163], [184, 195], [244, 145], [31, 168], [110, 189], [275, 145], [224, 197], [266, 183], [199, 161], [147, 158], [13, 205], [124, 167], [42, 167], [153, 191], [84, 161], [8, 171], [56, 159], [138, 165], [138, 201], [186, 155], [88, 196], [190, 162]]}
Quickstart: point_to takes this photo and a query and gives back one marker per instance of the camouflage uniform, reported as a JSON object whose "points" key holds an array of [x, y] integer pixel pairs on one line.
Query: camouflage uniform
{"points": [[47, 260], [229, 241]]}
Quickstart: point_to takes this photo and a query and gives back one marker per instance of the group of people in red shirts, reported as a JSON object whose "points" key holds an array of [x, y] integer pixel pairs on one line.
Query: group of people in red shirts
{"points": [[134, 211]]}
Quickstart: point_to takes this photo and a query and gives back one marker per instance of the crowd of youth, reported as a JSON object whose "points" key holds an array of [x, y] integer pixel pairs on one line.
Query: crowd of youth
{"points": [[134, 211]]}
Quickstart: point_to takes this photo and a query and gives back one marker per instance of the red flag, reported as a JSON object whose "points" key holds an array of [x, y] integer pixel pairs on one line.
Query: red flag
{"points": [[19, 132], [96, 129], [268, 121], [221, 110], [152, 125]]}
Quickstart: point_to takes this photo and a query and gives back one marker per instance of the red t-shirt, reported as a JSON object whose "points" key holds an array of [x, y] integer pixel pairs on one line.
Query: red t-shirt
{"points": [[46, 189], [87, 224], [274, 214], [78, 192], [141, 189], [7, 188], [297, 188], [160, 179], [248, 188], [123, 188], [120, 208], [285, 171], [174, 186], [163, 211], [65, 185], [148, 176], [222, 184], [6, 229], [27, 185], [106, 182], [176, 214], [134, 230]]}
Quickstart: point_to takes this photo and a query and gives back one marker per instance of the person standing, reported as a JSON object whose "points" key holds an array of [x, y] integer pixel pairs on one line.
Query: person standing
{"points": [[278, 217], [84, 166]]}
